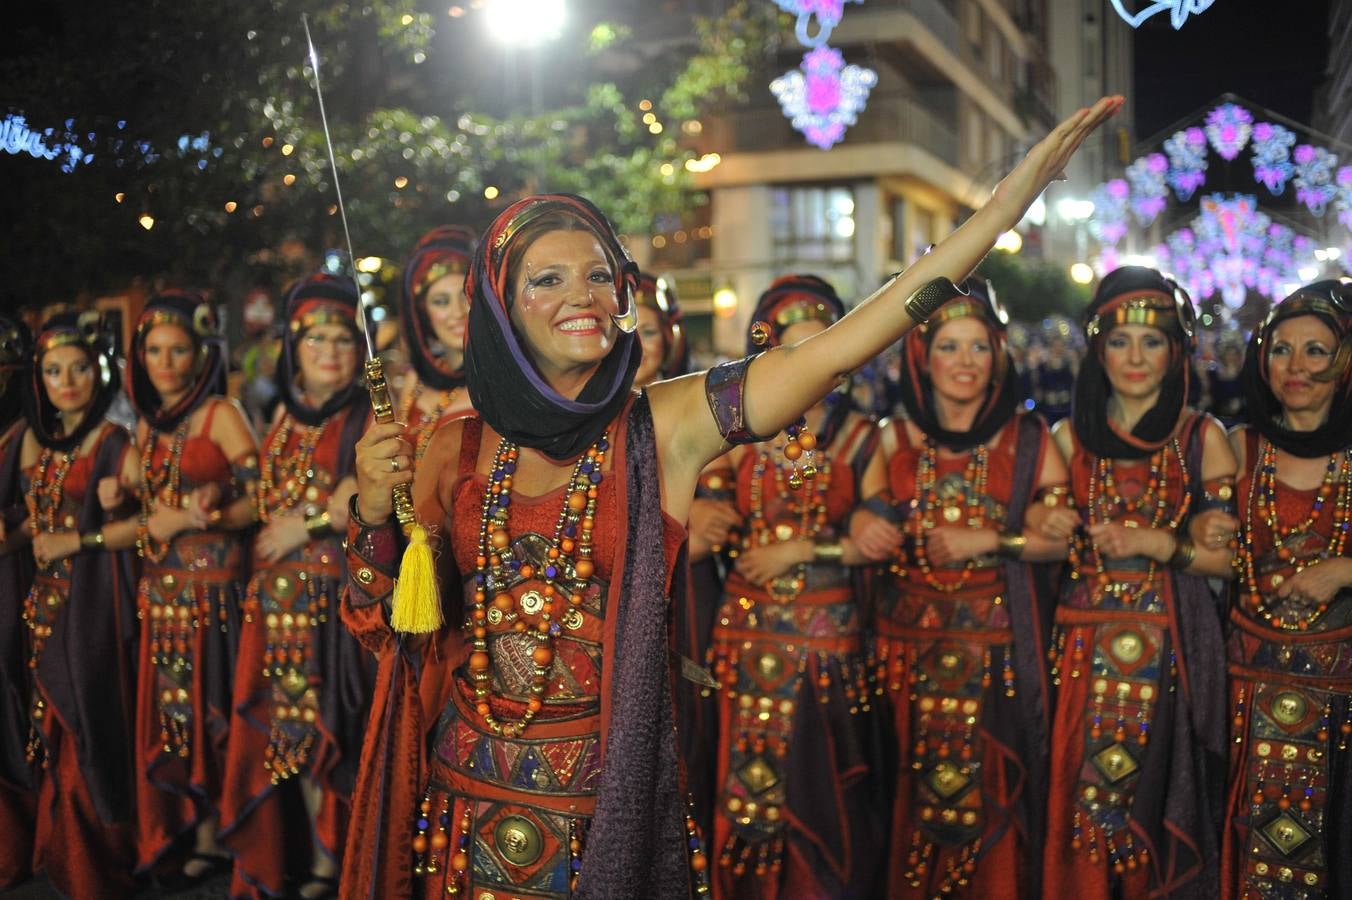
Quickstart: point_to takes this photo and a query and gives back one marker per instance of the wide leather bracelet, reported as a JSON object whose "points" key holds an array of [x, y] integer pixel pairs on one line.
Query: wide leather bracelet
{"points": [[1010, 545], [92, 540], [922, 304], [1184, 553]]}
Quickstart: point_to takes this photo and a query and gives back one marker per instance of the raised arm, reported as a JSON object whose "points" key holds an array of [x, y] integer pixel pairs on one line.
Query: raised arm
{"points": [[784, 382]]}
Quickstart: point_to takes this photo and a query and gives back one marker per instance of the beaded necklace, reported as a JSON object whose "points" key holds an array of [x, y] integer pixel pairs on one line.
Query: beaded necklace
{"points": [[1263, 497], [444, 399], [48, 488], [809, 511], [976, 475], [1106, 503], [497, 568], [160, 485], [282, 478]]}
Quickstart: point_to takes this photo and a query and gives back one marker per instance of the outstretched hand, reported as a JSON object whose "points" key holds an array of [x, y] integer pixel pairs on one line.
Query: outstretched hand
{"points": [[1046, 162]]}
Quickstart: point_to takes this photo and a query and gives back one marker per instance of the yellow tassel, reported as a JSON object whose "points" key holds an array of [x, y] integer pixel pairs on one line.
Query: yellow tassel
{"points": [[416, 606]]}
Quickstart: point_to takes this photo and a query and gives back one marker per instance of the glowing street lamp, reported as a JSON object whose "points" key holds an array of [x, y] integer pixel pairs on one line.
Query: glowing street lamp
{"points": [[527, 23], [1074, 210], [1010, 242], [725, 301], [1081, 273]]}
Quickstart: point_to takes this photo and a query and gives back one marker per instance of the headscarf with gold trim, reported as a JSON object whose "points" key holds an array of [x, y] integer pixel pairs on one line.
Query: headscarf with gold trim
{"points": [[505, 388], [1002, 394], [94, 335], [1329, 301], [1134, 295], [659, 294], [191, 311], [317, 300], [445, 250]]}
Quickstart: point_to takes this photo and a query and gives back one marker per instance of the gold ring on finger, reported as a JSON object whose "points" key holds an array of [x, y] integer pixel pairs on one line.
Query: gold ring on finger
{"points": [[394, 464]]}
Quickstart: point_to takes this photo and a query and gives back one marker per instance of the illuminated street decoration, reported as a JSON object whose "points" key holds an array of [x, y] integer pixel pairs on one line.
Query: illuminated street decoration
{"points": [[1178, 10], [824, 96], [1272, 156], [17, 138], [1343, 199], [1314, 177], [1232, 248], [1109, 223], [1187, 162], [1149, 194], [827, 13], [1228, 128]]}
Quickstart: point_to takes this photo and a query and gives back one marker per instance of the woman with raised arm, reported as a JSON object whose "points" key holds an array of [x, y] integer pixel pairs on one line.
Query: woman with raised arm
{"points": [[800, 782], [553, 766], [1291, 622], [961, 626], [78, 646], [434, 311], [1137, 737], [302, 683], [191, 480]]}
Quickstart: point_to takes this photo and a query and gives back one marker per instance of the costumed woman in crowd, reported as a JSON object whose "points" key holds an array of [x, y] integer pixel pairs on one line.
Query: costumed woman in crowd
{"points": [[435, 309], [302, 683], [553, 769], [72, 666], [962, 627], [1289, 797], [1054, 376], [1138, 734], [799, 808], [191, 479], [1225, 387]]}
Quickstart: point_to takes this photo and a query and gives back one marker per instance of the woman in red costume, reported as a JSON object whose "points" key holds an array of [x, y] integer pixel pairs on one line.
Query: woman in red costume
{"points": [[666, 354], [799, 783], [553, 769], [962, 628], [1289, 799], [301, 682], [434, 316], [192, 479], [78, 645], [1138, 735]]}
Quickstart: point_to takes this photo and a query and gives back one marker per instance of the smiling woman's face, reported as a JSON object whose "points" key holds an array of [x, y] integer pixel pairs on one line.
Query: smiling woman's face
{"points": [[1299, 348], [68, 376], [563, 297], [960, 360], [1136, 359]]}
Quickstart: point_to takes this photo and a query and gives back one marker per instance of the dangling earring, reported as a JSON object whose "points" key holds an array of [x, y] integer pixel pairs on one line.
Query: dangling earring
{"points": [[627, 319]]}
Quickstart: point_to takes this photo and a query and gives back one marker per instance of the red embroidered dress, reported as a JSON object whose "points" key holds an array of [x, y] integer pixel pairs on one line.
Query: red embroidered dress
{"points": [[301, 686], [945, 650], [790, 657], [188, 601], [1290, 666], [506, 816]]}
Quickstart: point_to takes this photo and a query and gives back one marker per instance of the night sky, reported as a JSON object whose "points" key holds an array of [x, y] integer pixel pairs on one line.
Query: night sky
{"points": [[1272, 53]]}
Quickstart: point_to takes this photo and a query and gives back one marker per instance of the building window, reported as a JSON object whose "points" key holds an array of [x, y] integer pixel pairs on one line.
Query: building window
{"points": [[812, 224]]}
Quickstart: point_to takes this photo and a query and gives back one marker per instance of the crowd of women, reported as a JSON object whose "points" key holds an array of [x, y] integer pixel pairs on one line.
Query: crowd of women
{"points": [[712, 633]]}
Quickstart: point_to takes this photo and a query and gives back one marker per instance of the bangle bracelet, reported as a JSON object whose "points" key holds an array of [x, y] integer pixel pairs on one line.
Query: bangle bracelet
{"points": [[320, 525], [1184, 554], [1010, 545], [828, 553], [922, 304], [91, 540]]}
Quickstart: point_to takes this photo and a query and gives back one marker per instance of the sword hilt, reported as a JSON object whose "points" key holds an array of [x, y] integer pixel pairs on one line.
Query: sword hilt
{"points": [[382, 408]]}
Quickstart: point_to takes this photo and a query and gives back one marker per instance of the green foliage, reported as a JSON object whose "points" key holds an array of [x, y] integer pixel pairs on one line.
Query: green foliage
{"points": [[425, 114], [1032, 289]]}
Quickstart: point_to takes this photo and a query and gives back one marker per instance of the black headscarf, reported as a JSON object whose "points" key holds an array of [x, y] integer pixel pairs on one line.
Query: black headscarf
{"points": [[90, 332], [1003, 392], [318, 300], [789, 300], [442, 251], [1133, 295], [16, 343], [504, 385], [1331, 302], [191, 311]]}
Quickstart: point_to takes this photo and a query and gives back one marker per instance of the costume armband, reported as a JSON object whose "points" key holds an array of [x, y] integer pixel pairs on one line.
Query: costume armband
{"points": [[725, 387], [373, 553], [1218, 493], [882, 507]]}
